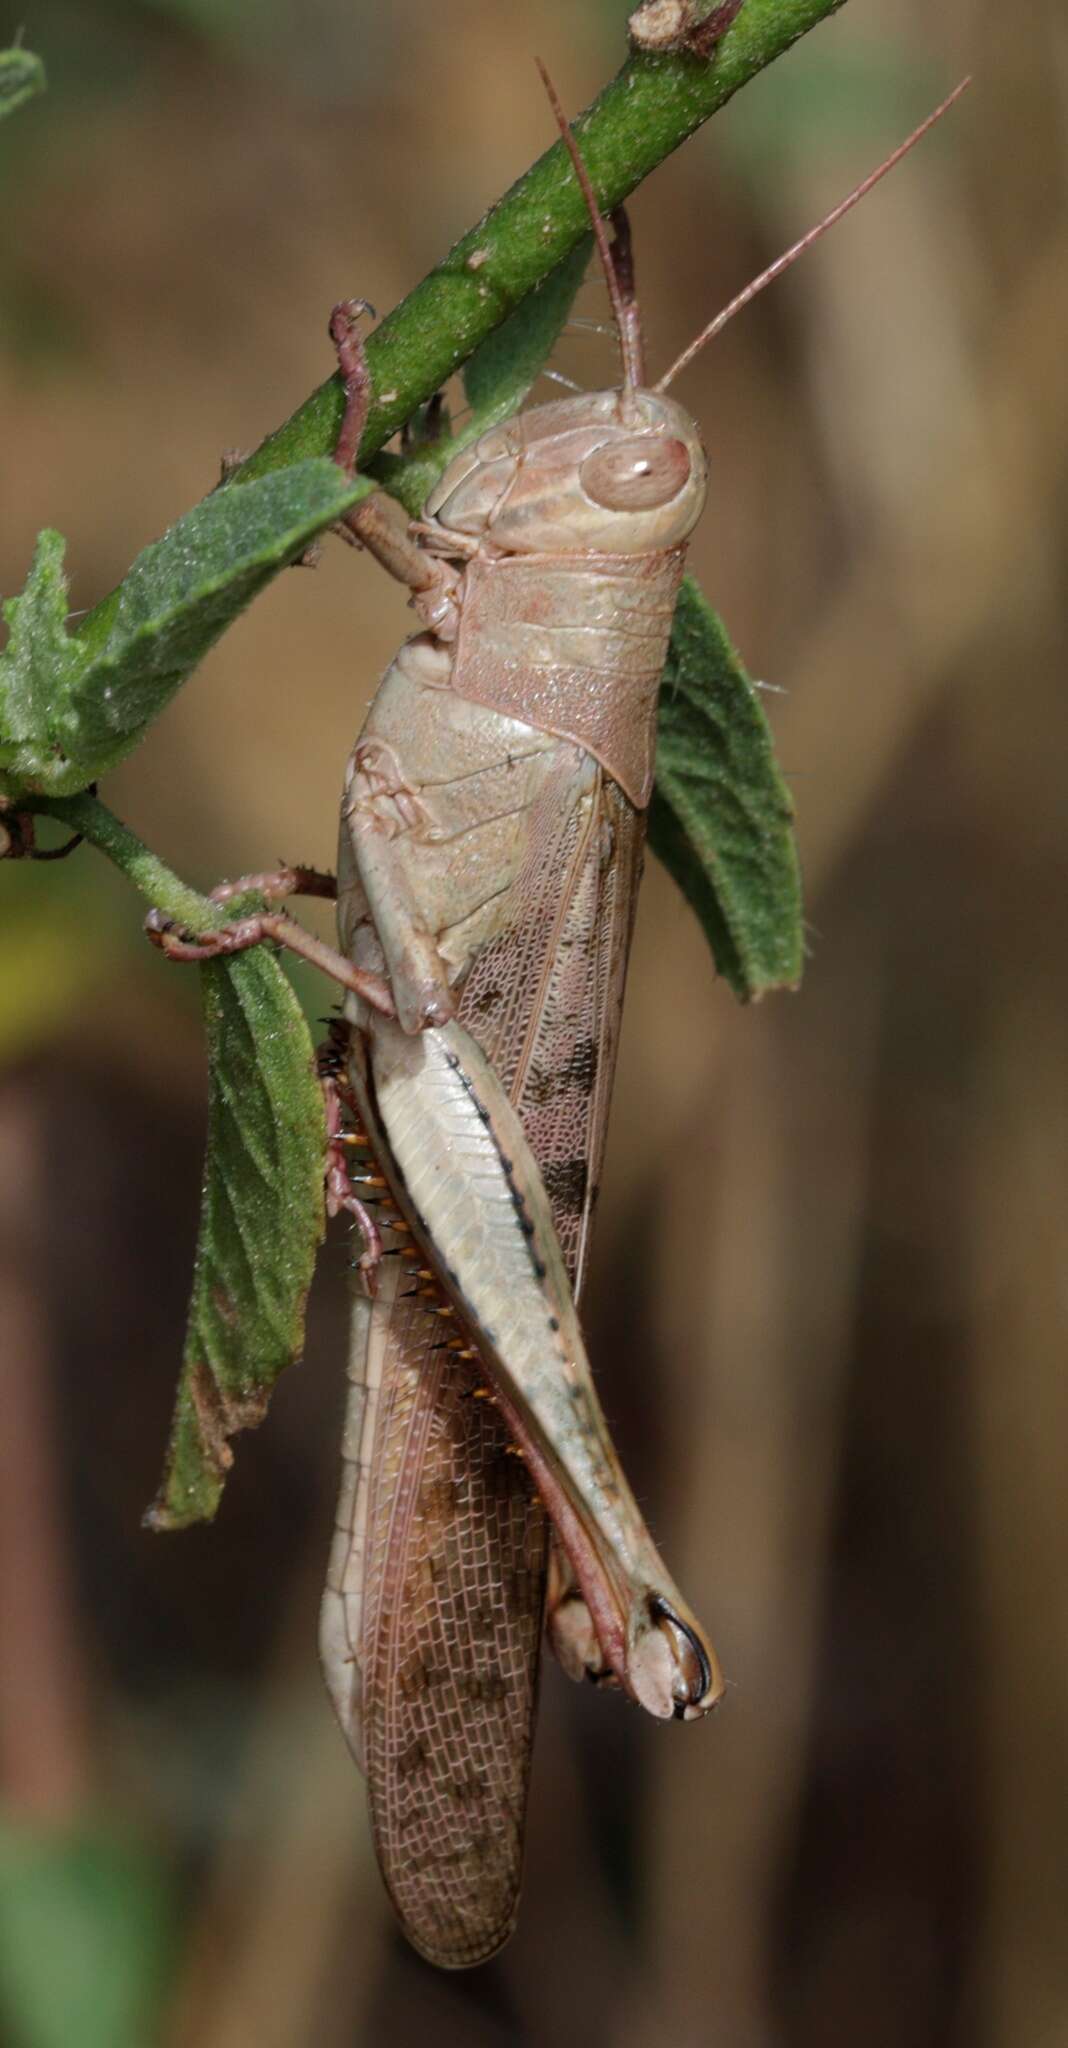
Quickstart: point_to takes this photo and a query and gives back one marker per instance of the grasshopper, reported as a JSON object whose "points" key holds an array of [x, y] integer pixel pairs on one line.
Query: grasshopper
{"points": [[489, 859]]}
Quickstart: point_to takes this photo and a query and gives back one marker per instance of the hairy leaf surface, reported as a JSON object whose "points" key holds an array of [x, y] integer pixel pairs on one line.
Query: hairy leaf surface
{"points": [[721, 818], [67, 715], [261, 1223]]}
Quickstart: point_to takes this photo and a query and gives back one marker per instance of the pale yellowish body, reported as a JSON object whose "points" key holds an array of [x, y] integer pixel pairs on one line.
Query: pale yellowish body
{"points": [[488, 867], [490, 856]]}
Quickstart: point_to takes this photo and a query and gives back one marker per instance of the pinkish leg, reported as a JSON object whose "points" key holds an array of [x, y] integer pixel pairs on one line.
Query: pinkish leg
{"points": [[340, 1193], [16, 835], [18, 839], [378, 523], [704, 35], [275, 883], [275, 927], [352, 362]]}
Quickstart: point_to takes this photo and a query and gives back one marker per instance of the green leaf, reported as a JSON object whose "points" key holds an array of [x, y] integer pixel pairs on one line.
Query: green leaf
{"points": [[85, 1939], [721, 817], [67, 715], [261, 1223], [497, 378], [261, 1217], [21, 76], [500, 373], [37, 666]]}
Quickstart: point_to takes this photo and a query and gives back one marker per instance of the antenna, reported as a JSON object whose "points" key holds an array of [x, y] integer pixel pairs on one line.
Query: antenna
{"points": [[625, 318], [791, 255]]}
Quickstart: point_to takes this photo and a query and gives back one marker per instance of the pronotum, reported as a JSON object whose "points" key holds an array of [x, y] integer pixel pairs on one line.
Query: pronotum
{"points": [[490, 851]]}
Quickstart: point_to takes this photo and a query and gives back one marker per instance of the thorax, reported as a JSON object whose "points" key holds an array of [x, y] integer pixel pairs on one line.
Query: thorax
{"points": [[574, 646]]}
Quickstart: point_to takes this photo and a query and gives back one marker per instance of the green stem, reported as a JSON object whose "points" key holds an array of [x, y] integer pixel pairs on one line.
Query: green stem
{"points": [[652, 105], [156, 881]]}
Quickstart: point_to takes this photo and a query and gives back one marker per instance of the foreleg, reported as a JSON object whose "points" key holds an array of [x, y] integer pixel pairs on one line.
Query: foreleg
{"points": [[378, 523], [274, 927]]}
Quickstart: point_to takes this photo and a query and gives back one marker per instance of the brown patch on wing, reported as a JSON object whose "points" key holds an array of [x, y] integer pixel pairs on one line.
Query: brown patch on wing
{"points": [[452, 1631], [455, 1578], [559, 965]]}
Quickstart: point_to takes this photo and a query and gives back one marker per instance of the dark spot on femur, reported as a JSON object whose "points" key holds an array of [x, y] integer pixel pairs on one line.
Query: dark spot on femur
{"points": [[565, 1184]]}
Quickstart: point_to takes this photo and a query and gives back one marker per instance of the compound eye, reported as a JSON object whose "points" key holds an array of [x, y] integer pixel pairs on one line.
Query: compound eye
{"points": [[635, 474]]}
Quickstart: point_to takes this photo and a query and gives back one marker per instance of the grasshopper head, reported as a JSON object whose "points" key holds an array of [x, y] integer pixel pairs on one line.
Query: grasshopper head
{"points": [[618, 473]]}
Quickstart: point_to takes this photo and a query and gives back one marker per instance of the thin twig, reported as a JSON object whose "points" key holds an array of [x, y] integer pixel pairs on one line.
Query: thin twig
{"points": [[651, 107]]}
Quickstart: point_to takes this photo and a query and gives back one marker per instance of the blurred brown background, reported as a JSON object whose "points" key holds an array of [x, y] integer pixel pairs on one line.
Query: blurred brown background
{"points": [[828, 1298]]}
